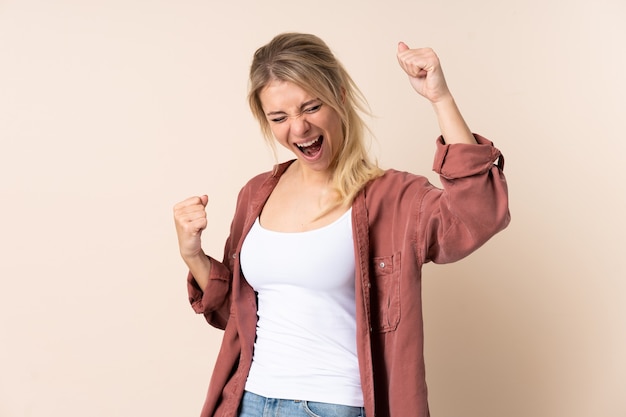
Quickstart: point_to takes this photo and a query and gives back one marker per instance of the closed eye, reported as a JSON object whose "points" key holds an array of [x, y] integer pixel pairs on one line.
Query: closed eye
{"points": [[313, 109], [280, 117]]}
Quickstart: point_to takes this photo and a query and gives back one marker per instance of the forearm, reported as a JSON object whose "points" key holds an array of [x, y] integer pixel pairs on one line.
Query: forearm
{"points": [[451, 123], [200, 268]]}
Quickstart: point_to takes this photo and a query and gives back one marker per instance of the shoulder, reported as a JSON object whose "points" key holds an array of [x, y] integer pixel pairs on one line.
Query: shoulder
{"points": [[394, 180], [257, 180], [396, 189], [267, 178], [276, 172]]}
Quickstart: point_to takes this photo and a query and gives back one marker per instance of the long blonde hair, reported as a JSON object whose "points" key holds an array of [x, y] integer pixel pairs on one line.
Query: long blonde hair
{"points": [[306, 61]]}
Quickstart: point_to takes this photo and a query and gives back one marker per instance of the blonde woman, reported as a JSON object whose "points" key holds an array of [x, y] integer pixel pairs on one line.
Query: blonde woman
{"points": [[319, 289]]}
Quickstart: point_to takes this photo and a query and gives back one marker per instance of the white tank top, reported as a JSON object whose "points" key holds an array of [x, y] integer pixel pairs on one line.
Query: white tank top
{"points": [[305, 345]]}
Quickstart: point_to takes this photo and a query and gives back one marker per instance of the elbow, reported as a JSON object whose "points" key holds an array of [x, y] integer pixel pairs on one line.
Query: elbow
{"points": [[463, 238]]}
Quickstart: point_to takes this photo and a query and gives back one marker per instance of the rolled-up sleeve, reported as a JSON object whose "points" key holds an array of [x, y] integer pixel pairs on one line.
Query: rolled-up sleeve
{"points": [[473, 204], [213, 302]]}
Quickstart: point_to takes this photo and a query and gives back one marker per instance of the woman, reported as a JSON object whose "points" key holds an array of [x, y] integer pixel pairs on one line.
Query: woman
{"points": [[319, 291]]}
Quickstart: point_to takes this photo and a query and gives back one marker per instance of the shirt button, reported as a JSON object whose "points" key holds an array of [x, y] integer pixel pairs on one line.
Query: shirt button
{"points": [[382, 264]]}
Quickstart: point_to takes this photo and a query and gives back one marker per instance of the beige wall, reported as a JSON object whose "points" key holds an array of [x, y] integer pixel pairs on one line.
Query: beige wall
{"points": [[112, 111]]}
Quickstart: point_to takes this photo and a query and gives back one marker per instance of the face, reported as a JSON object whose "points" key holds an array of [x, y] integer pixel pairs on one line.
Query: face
{"points": [[303, 124]]}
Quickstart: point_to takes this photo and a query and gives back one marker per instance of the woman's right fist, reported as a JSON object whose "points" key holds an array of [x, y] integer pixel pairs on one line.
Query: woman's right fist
{"points": [[190, 219]]}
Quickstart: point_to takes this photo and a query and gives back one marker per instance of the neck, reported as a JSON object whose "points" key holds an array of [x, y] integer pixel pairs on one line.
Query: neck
{"points": [[311, 178]]}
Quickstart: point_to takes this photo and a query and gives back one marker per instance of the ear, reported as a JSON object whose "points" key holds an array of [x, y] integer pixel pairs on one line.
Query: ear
{"points": [[343, 95]]}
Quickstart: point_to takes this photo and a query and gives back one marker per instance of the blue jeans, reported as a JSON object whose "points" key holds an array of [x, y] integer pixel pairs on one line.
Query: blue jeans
{"points": [[253, 405]]}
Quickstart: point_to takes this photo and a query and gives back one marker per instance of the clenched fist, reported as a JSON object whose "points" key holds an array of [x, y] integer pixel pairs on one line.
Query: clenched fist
{"points": [[190, 219], [424, 71]]}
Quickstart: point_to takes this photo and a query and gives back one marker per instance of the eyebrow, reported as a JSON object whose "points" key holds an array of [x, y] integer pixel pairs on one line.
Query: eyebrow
{"points": [[302, 106]]}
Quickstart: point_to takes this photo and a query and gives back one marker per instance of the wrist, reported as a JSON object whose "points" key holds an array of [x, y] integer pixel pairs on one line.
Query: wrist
{"points": [[195, 259], [443, 103]]}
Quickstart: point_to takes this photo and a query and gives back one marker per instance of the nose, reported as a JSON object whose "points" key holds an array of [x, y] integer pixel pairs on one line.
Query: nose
{"points": [[300, 125]]}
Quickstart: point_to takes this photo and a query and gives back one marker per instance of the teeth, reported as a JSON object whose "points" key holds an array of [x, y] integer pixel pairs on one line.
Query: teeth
{"points": [[307, 144]]}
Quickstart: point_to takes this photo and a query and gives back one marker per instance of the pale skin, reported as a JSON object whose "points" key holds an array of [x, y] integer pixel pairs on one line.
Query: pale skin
{"points": [[296, 117]]}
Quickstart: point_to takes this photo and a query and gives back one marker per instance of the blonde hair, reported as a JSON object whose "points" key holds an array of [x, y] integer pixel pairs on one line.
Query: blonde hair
{"points": [[306, 61]]}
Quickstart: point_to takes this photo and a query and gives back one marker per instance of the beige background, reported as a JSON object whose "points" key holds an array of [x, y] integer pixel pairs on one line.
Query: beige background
{"points": [[112, 111]]}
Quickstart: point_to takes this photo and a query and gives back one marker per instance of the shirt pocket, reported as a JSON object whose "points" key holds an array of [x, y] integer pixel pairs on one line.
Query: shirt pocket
{"points": [[386, 294]]}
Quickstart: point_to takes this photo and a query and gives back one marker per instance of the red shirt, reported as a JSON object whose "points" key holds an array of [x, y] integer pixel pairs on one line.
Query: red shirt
{"points": [[400, 221]]}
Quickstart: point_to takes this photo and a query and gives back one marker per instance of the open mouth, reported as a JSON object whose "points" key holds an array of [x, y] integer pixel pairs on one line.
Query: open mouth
{"points": [[312, 147]]}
